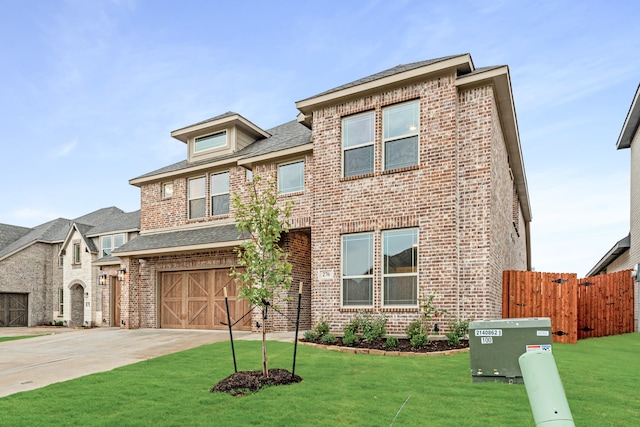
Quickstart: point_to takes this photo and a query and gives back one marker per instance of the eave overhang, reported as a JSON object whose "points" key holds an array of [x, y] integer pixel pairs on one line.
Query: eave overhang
{"points": [[631, 122], [236, 120], [280, 154], [462, 64], [618, 249], [189, 170]]}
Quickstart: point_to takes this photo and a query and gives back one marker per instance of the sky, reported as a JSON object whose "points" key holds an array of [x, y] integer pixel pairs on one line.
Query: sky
{"points": [[90, 91]]}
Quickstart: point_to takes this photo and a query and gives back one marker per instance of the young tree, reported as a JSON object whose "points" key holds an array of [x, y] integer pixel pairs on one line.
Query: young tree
{"points": [[266, 272]]}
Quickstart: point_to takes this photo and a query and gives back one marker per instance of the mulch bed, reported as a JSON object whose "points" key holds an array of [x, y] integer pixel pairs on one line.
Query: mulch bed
{"points": [[404, 345], [246, 382]]}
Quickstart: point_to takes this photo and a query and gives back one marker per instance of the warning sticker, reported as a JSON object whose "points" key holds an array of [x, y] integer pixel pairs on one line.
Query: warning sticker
{"points": [[536, 347]]}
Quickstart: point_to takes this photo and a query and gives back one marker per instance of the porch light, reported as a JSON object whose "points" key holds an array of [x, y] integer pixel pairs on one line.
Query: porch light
{"points": [[121, 274], [102, 279]]}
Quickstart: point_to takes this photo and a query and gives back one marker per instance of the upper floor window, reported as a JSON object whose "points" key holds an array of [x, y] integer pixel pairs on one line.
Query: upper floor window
{"points": [[196, 196], [357, 270], [400, 124], [358, 133], [291, 177], [109, 243], [220, 193], [76, 253], [209, 142], [400, 267], [167, 190]]}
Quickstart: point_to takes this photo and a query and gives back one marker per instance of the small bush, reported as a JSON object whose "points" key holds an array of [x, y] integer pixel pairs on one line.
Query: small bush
{"points": [[414, 328], [457, 331], [419, 340], [311, 335], [350, 339], [353, 326], [373, 328], [328, 339], [390, 343], [322, 328]]}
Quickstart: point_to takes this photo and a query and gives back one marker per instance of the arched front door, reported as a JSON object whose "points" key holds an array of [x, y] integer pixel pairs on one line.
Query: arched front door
{"points": [[77, 305]]}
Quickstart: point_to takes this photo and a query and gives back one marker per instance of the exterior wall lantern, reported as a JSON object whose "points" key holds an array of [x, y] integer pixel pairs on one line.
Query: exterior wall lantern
{"points": [[121, 274], [102, 279]]}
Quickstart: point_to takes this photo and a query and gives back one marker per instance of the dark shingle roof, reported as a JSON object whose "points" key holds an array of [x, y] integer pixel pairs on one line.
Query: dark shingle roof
{"points": [[117, 222], [286, 135], [11, 233], [212, 119], [181, 239], [382, 74], [49, 232]]}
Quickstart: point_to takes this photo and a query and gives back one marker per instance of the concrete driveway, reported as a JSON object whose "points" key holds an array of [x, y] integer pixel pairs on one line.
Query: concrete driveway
{"points": [[65, 353]]}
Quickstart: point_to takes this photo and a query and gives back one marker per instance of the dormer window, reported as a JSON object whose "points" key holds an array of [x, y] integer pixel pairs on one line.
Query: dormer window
{"points": [[209, 142]]}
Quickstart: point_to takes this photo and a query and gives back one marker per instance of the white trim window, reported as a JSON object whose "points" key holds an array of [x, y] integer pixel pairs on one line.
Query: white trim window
{"points": [[400, 134], [109, 243], [167, 190], [76, 253], [291, 177], [210, 142], [358, 134], [60, 301], [196, 196], [357, 270], [400, 267], [220, 193]]}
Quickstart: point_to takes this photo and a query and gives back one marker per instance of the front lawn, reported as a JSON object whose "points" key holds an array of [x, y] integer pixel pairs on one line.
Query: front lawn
{"points": [[337, 389], [19, 337]]}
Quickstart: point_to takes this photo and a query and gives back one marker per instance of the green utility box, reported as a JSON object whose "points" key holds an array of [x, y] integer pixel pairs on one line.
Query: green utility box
{"points": [[496, 345]]}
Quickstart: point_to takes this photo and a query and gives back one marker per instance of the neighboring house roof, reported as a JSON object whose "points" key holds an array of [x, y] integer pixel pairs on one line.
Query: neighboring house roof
{"points": [[631, 123], [618, 249], [286, 136], [59, 230], [175, 241], [11, 233]]}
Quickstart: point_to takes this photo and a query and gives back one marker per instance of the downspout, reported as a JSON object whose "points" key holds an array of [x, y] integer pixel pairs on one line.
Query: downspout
{"points": [[457, 202]]}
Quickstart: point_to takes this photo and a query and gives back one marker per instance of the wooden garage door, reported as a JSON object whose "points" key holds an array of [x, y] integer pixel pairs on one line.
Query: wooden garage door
{"points": [[13, 309], [195, 300]]}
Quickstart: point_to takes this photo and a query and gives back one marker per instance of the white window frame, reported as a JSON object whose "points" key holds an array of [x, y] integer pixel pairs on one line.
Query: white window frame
{"points": [[203, 197], [282, 167], [105, 250], [385, 275], [77, 252], [371, 143], [210, 136], [218, 194], [167, 194], [409, 134], [344, 277], [60, 301]]}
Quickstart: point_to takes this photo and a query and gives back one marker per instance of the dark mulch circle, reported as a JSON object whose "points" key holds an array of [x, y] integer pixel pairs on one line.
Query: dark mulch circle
{"points": [[245, 382]]}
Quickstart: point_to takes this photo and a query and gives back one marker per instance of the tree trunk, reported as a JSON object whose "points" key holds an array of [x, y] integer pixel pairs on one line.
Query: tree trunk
{"points": [[265, 368]]}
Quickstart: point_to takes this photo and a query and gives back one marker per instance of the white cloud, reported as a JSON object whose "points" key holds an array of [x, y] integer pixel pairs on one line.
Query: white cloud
{"points": [[64, 150]]}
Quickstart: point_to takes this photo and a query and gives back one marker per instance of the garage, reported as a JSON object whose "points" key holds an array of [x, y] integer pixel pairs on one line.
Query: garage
{"points": [[13, 309], [195, 300]]}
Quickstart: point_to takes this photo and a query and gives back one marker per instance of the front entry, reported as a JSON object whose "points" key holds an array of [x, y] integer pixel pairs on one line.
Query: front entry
{"points": [[77, 305], [195, 300], [115, 301]]}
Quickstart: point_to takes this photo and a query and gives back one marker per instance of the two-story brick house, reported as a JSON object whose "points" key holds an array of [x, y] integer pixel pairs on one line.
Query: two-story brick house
{"points": [[406, 183], [52, 272]]}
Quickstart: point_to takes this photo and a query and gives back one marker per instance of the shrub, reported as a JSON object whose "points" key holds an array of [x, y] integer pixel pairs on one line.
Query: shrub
{"points": [[457, 331], [350, 339], [322, 327], [353, 326], [392, 342], [419, 340], [373, 328], [328, 339], [311, 335], [414, 328]]}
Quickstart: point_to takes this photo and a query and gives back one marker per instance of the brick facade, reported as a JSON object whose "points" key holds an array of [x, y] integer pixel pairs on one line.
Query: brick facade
{"points": [[464, 197]]}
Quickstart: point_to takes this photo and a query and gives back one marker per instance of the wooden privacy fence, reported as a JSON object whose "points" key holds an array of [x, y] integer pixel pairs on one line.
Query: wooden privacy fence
{"points": [[592, 307]]}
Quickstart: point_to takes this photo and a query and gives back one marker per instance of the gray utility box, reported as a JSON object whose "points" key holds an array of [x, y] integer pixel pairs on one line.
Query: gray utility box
{"points": [[496, 345]]}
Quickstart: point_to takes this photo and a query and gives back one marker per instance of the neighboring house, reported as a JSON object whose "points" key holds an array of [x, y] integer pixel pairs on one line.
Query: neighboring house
{"points": [[46, 272], [406, 183], [625, 254]]}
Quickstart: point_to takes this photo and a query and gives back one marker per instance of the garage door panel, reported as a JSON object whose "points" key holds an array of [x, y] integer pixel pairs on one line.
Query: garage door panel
{"points": [[195, 300], [14, 309]]}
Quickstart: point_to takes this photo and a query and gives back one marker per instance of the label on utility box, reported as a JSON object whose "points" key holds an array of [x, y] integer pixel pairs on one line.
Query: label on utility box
{"points": [[542, 333], [488, 332], [486, 340], [536, 347]]}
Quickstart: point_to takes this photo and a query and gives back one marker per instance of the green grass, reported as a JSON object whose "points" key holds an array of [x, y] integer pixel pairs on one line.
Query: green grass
{"points": [[599, 378], [21, 337]]}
